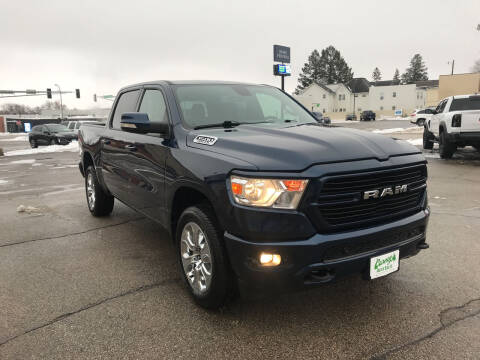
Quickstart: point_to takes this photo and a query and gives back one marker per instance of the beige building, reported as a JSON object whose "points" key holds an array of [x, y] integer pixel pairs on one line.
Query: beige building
{"points": [[383, 97], [458, 84]]}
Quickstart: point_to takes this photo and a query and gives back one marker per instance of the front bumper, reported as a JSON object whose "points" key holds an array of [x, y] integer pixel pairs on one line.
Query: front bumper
{"points": [[323, 258]]}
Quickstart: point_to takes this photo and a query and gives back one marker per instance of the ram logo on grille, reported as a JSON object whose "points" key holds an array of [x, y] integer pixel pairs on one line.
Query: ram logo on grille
{"points": [[380, 193]]}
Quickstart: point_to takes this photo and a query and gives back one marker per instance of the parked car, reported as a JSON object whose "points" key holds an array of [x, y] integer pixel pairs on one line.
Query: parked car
{"points": [[351, 117], [255, 194], [419, 117], [455, 123], [75, 125], [367, 115], [320, 118], [50, 134]]}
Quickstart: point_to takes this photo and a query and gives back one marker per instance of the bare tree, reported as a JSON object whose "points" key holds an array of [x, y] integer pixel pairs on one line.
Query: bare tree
{"points": [[476, 66]]}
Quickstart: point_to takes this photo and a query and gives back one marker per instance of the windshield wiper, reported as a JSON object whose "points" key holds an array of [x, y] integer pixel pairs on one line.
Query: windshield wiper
{"points": [[225, 124]]}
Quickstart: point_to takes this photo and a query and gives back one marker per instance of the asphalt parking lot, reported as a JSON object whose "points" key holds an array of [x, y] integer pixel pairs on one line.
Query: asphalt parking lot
{"points": [[73, 286]]}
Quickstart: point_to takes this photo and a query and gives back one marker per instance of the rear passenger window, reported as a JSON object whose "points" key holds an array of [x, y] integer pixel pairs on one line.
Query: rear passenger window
{"points": [[126, 103], [154, 105], [71, 125]]}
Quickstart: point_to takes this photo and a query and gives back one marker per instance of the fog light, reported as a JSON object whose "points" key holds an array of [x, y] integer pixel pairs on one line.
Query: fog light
{"points": [[267, 259]]}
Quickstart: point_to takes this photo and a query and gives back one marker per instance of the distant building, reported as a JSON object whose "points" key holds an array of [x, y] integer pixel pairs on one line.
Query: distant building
{"points": [[458, 84], [383, 97]]}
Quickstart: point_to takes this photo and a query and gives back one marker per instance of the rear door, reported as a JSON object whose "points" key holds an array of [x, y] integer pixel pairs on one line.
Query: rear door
{"points": [[469, 107], [434, 123], [114, 154], [146, 157]]}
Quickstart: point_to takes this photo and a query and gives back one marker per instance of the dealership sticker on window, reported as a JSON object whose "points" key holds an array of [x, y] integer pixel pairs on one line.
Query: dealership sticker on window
{"points": [[205, 140], [384, 264]]}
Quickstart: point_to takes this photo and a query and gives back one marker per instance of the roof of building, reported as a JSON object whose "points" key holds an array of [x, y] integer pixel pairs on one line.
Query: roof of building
{"points": [[359, 85], [427, 83], [385, 83], [323, 86]]}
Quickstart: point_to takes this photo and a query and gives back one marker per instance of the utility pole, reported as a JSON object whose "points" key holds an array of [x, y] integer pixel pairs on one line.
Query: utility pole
{"points": [[453, 65], [61, 102]]}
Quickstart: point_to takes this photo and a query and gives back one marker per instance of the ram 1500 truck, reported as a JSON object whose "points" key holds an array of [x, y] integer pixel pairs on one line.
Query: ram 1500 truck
{"points": [[454, 123], [257, 196]]}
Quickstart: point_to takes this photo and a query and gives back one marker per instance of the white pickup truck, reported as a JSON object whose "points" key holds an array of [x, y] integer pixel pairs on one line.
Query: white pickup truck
{"points": [[455, 123]]}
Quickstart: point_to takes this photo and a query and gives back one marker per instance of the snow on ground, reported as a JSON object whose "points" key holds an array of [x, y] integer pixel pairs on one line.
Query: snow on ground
{"points": [[411, 129], [73, 146], [3, 182], [415, 141], [26, 161], [18, 138]]}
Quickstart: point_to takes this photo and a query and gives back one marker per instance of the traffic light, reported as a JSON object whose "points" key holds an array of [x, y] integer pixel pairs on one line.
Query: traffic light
{"points": [[49, 93], [95, 97], [77, 93]]}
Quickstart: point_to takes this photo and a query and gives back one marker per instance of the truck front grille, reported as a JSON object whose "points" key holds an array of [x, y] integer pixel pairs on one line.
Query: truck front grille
{"points": [[339, 203]]}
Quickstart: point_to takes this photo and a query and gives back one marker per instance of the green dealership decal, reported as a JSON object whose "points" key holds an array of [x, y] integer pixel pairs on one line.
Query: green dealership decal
{"points": [[385, 264]]}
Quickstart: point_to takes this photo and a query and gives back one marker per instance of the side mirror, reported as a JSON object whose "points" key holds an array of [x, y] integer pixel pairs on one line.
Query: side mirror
{"points": [[434, 111], [140, 123]]}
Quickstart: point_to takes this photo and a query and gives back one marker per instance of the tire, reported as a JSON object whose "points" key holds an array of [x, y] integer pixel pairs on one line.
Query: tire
{"points": [[99, 203], [33, 144], [446, 148], [205, 270], [53, 142], [427, 139], [421, 122]]}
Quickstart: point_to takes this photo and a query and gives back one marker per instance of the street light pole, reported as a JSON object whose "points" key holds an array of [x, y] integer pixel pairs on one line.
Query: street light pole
{"points": [[61, 102]]}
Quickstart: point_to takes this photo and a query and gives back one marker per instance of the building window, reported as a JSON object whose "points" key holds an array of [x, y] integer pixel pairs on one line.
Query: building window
{"points": [[393, 107], [359, 109], [324, 111], [364, 95], [381, 107], [394, 94], [339, 97], [324, 96], [344, 108]]}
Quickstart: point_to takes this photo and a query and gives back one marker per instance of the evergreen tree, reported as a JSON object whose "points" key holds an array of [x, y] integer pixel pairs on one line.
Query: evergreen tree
{"points": [[416, 72], [396, 76], [476, 66], [377, 75], [328, 67]]}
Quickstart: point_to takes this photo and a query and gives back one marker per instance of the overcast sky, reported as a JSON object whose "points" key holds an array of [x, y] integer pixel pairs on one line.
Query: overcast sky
{"points": [[100, 46]]}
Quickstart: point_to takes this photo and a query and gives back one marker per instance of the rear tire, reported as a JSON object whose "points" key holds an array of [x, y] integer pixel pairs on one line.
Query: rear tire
{"points": [[427, 139], [99, 203], [33, 144], [202, 257], [446, 147]]}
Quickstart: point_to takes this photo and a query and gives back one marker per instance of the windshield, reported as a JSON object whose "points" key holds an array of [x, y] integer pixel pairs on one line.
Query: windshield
{"points": [[470, 103], [209, 104], [57, 128]]}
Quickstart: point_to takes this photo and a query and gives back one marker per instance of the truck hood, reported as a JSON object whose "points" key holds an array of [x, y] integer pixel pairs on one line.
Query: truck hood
{"points": [[295, 148]]}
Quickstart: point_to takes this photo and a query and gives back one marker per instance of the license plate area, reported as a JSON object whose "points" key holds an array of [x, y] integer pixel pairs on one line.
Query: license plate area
{"points": [[384, 264]]}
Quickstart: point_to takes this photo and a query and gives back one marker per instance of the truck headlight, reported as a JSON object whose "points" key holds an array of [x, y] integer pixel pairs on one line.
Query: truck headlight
{"points": [[274, 193]]}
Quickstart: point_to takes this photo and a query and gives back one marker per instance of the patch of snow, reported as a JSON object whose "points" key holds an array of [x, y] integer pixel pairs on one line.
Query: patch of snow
{"points": [[431, 155], [18, 138], [3, 182], [27, 209], [415, 141], [37, 164], [26, 161], [410, 129], [73, 146]]}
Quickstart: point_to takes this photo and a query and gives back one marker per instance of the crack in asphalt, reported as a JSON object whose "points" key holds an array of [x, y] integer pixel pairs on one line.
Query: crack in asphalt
{"points": [[448, 317], [72, 234], [92, 305]]}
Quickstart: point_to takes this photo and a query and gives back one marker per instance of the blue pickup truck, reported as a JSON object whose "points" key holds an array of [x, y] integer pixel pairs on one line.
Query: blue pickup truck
{"points": [[255, 193]]}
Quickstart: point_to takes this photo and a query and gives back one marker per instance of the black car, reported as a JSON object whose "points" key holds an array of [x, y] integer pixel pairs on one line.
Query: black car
{"points": [[50, 134], [320, 118], [351, 117], [367, 115], [255, 193]]}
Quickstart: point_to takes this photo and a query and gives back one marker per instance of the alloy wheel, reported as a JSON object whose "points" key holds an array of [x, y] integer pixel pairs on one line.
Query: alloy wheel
{"points": [[196, 258]]}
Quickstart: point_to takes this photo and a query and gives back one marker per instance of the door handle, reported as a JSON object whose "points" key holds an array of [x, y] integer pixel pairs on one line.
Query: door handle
{"points": [[106, 142], [131, 147]]}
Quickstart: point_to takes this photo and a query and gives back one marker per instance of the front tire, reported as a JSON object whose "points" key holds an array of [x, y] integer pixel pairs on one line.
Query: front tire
{"points": [[53, 142], [446, 147], [99, 203], [202, 257], [420, 122], [427, 139], [33, 144]]}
